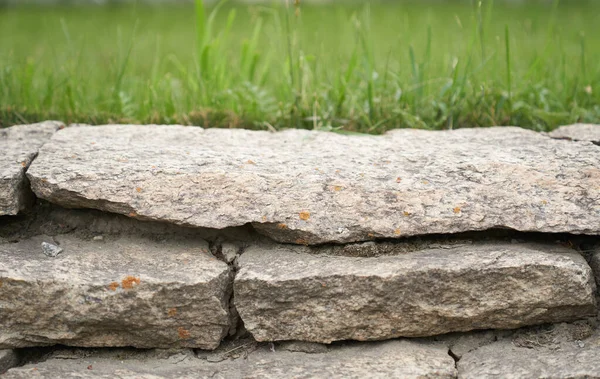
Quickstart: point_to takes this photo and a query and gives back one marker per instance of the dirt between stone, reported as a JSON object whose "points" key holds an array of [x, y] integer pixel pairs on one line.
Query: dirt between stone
{"points": [[87, 224]]}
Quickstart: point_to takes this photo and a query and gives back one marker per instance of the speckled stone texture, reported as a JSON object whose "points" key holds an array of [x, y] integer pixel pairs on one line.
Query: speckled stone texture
{"points": [[578, 132], [123, 291], [289, 292], [18, 147], [392, 359], [505, 360], [8, 359], [307, 187]]}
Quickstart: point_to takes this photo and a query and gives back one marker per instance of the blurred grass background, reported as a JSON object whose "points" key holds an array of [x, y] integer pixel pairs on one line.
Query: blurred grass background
{"points": [[333, 66]]}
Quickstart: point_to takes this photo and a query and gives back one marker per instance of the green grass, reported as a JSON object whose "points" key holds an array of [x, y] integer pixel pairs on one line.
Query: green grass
{"points": [[356, 67]]}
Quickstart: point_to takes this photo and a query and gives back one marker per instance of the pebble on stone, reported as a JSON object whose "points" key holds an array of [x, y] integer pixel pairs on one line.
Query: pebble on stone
{"points": [[51, 250]]}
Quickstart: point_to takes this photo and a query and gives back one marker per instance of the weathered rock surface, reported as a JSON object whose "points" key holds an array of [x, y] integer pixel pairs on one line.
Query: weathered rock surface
{"points": [[18, 146], [124, 291], [287, 292], [578, 132], [8, 359], [505, 360], [311, 187], [392, 359], [595, 263]]}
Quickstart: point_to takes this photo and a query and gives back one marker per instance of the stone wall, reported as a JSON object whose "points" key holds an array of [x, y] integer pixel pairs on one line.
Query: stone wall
{"points": [[469, 253]]}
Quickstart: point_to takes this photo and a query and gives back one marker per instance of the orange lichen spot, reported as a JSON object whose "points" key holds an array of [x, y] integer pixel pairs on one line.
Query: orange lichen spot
{"points": [[132, 214], [337, 171], [281, 226], [153, 166], [456, 210], [323, 284], [138, 189], [424, 182], [406, 214], [92, 143], [304, 215], [61, 127], [397, 232], [113, 286], [24, 164], [249, 161], [544, 202], [183, 334], [172, 312], [398, 179], [301, 241], [264, 218], [337, 188], [89, 367], [370, 235], [73, 156], [129, 281]]}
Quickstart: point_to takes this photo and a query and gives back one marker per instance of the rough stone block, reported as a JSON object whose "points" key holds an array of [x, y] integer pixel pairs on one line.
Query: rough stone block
{"points": [[578, 132], [115, 292], [392, 359], [307, 187], [288, 292], [18, 147], [505, 360]]}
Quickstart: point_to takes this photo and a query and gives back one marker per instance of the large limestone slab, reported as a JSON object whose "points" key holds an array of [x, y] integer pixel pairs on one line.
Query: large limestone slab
{"points": [[309, 187], [115, 292], [578, 132], [288, 292], [393, 359], [18, 147], [505, 360]]}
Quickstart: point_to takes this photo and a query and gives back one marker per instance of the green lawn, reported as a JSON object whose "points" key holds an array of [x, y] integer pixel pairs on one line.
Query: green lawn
{"points": [[353, 67]]}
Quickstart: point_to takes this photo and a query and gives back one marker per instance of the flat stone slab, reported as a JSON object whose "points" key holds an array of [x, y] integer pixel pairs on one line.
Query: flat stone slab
{"points": [[18, 147], [289, 292], [578, 132], [392, 359], [505, 360], [116, 292], [309, 187]]}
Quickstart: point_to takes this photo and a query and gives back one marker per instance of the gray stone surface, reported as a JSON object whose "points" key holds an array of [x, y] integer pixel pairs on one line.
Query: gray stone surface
{"points": [[122, 291], [18, 147], [391, 359], [8, 359], [595, 263], [289, 292], [578, 132], [505, 360], [51, 250], [309, 187]]}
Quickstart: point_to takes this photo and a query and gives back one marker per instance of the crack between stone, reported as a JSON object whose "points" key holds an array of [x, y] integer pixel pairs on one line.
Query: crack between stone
{"points": [[597, 143], [456, 359]]}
